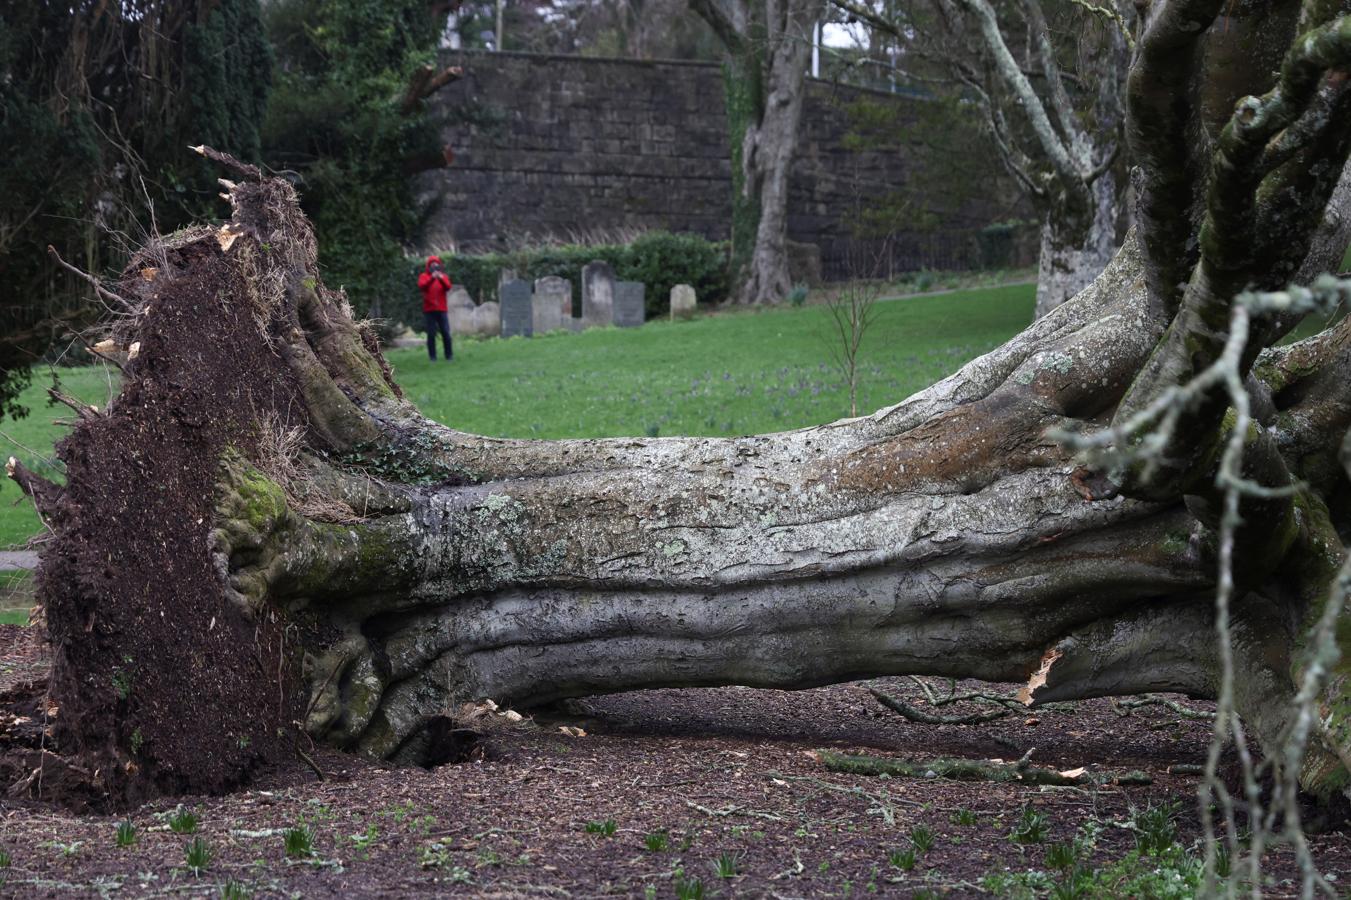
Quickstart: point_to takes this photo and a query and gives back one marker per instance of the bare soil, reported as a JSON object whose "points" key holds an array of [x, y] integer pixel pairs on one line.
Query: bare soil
{"points": [[718, 771]]}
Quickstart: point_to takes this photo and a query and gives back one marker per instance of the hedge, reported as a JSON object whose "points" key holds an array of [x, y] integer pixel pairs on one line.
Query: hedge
{"points": [[658, 259]]}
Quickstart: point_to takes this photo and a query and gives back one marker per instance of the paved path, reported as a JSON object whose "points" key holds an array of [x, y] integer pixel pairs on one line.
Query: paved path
{"points": [[17, 559]]}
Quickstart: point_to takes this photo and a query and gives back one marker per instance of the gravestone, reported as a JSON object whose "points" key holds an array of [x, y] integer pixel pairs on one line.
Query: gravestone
{"points": [[553, 303], [598, 291], [628, 303], [517, 316], [460, 311], [683, 302], [487, 319]]}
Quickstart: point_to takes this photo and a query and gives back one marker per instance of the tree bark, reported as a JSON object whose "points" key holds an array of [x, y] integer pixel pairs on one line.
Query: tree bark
{"points": [[387, 568]]}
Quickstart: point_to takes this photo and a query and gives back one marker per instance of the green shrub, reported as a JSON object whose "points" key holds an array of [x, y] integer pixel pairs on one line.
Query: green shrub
{"points": [[658, 259], [662, 260]]}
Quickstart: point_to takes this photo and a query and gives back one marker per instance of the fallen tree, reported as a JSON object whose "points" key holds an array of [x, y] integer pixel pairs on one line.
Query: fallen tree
{"points": [[261, 543]]}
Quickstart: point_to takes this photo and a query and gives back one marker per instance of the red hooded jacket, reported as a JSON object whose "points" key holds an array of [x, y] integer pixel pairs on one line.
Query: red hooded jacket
{"points": [[434, 287]]}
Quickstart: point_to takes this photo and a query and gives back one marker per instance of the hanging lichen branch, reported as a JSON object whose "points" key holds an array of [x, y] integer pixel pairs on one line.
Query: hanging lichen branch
{"points": [[1142, 438], [1111, 15]]}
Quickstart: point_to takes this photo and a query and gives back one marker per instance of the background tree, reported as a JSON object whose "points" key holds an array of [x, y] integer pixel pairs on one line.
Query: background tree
{"points": [[768, 45], [347, 118], [1051, 90], [97, 104], [636, 29]]}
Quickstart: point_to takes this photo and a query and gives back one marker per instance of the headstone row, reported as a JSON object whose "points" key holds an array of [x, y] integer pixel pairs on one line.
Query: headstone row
{"points": [[525, 309]]}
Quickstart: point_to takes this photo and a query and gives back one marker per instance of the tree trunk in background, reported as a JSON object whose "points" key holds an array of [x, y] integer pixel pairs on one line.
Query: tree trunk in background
{"points": [[1076, 248], [767, 154], [768, 44]]}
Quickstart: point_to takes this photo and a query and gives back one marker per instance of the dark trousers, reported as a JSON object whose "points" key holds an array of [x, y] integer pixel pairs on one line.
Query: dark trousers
{"points": [[438, 321]]}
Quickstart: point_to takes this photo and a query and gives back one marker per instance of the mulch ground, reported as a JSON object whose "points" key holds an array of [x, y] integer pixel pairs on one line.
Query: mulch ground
{"points": [[720, 772]]}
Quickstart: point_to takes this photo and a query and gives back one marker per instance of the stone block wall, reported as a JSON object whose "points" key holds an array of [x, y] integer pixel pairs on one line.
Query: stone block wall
{"points": [[565, 146]]}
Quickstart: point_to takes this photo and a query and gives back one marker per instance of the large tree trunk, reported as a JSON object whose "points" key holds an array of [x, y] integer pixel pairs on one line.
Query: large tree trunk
{"points": [[261, 520], [1075, 247]]}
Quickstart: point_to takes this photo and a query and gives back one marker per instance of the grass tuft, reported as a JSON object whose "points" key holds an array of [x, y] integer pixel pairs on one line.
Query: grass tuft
{"points": [[923, 838], [1031, 827], [604, 829], [197, 855], [728, 864], [902, 859], [183, 821], [299, 842]]}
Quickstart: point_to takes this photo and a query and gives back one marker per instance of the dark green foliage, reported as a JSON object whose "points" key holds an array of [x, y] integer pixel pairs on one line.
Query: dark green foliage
{"points": [[744, 95], [98, 103], [339, 121], [662, 260], [228, 50], [658, 259]]}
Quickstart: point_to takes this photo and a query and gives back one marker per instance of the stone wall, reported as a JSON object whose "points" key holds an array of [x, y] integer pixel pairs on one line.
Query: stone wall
{"points": [[572, 146]]}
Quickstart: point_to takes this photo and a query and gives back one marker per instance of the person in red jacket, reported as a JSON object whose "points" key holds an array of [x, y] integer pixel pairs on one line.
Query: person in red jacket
{"points": [[435, 284]]}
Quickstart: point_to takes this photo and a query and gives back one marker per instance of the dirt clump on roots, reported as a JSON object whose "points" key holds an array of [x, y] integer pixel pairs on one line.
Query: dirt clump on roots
{"points": [[130, 579]]}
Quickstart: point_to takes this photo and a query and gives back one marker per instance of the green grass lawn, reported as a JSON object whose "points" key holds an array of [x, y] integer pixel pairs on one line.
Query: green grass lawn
{"points": [[737, 373], [740, 373]]}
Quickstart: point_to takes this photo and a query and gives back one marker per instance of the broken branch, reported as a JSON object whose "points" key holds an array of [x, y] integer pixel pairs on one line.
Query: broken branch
{"points": [[102, 292]]}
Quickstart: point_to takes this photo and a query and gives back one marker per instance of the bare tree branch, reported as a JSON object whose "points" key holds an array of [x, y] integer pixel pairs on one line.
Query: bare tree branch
{"points": [[1039, 35], [1057, 154]]}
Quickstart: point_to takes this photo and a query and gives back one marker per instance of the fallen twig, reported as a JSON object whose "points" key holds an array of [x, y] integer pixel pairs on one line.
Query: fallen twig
{"points": [[918, 715], [1150, 700], [968, 770], [733, 810]]}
